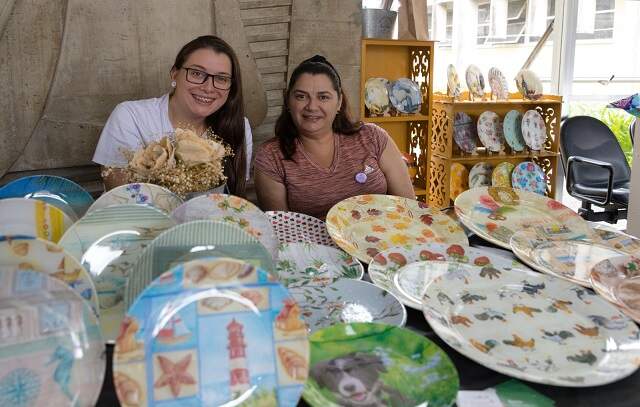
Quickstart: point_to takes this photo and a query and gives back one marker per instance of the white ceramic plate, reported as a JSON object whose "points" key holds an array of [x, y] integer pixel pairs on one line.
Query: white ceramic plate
{"points": [[534, 131], [141, 194], [490, 131], [32, 218]]}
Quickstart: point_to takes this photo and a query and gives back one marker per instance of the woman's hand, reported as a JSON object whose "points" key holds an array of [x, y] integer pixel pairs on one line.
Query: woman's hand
{"points": [[395, 170], [272, 195]]}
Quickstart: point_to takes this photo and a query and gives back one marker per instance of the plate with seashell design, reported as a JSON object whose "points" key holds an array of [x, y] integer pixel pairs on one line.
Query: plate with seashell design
{"points": [[46, 257], [475, 82], [20, 217], [453, 82], [141, 194], [108, 242], [529, 84], [415, 370], [490, 131], [233, 210], [465, 132], [51, 351], [193, 328], [376, 96], [512, 130], [459, 181], [612, 237], [534, 131], [498, 84], [501, 175], [480, 175]]}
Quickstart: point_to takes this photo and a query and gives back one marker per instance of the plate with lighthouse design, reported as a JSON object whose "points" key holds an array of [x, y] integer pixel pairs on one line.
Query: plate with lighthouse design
{"points": [[212, 331]]}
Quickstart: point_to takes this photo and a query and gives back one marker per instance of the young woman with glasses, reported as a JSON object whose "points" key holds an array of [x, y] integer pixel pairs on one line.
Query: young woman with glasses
{"points": [[319, 155], [206, 93]]}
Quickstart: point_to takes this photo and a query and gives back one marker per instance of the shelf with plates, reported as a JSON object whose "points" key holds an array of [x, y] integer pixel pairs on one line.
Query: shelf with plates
{"points": [[444, 151], [394, 59]]}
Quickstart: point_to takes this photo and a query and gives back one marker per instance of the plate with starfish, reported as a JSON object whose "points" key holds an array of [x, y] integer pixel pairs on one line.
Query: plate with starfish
{"points": [[212, 331]]}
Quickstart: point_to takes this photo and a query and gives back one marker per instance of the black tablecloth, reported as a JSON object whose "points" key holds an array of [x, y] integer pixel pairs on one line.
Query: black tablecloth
{"points": [[624, 393]]}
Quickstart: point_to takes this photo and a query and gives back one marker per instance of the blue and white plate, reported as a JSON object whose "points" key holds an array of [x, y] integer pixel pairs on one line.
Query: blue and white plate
{"points": [[529, 176], [480, 175], [512, 126], [405, 96], [60, 192], [212, 332]]}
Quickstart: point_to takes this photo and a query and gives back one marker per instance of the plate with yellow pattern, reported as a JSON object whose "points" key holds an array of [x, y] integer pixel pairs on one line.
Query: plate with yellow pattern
{"points": [[459, 181], [32, 218], [501, 175], [365, 225]]}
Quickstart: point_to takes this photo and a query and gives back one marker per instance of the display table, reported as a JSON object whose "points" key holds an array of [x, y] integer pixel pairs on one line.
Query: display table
{"points": [[473, 376]]}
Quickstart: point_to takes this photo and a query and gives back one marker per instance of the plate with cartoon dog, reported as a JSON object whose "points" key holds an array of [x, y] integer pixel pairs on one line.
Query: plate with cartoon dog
{"points": [[496, 213], [533, 327], [212, 332], [370, 364]]}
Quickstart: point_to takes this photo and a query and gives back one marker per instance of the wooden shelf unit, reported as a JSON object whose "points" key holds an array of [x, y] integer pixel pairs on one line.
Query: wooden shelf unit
{"points": [[444, 151], [393, 59]]}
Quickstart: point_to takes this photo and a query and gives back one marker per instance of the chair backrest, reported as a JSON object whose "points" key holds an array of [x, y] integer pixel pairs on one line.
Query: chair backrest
{"points": [[632, 130], [588, 137]]}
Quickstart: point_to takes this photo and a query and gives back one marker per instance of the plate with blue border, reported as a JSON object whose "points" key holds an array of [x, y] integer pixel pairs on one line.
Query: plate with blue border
{"points": [[212, 331]]}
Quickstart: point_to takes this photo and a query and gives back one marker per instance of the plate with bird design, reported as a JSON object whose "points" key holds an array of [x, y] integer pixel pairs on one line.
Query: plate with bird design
{"points": [[533, 327], [51, 349], [496, 213], [210, 332]]}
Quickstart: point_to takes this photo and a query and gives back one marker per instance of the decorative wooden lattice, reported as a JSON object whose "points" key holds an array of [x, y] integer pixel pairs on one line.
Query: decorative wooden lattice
{"points": [[417, 143]]}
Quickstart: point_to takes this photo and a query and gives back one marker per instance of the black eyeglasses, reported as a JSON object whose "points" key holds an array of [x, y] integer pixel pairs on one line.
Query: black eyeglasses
{"points": [[199, 77]]}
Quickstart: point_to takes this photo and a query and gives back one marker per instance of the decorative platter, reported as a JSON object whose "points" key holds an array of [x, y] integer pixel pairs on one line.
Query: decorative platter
{"points": [[346, 300], [465, 132], [496, 213], [533, 327], [405, 96], [233, 210], [498, 84], [528, 176], [21, 217], [212, 331], [411, 369], [51, 352], [501, 175], [108, 242], [192, 240], [453, 82], [571, 260], [490, 131], [60, 192], [480, 175], [534, 131], [294, 227], [376, 96], [529, 84], [512, 129], [459, 181], [302, 262], [385, 265], [40, 255], [365, 225], [475, 82], [610, 275], [616, 239], [141, 194]]}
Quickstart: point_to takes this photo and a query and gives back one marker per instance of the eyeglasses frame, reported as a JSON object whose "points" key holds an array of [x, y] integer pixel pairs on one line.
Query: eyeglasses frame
{"points": [[208, 75]]}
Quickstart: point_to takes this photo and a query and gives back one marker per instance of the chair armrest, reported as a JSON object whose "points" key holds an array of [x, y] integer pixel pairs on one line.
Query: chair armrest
{"points": [[597, 163]]}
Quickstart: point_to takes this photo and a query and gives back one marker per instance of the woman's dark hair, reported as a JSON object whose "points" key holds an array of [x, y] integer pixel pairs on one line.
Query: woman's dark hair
{"points": [[286, 131], [228, 121]]}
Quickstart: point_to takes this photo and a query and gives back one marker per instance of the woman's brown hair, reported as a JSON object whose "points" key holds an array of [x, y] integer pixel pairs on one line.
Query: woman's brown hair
{"points": [[228, 121], [286, 131]]}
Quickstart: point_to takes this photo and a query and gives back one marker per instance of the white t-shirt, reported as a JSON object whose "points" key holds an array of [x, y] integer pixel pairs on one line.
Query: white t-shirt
{"points": [[136, 123]]}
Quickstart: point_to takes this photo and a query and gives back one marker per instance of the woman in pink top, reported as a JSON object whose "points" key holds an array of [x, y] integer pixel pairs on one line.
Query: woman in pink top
{"points": [[319, 155]]}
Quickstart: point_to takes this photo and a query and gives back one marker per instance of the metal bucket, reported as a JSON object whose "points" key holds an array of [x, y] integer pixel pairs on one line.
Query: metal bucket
{"points": [[378, 23]]}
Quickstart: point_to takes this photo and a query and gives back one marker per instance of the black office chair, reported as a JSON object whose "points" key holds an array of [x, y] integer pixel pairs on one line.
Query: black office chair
{"points": [[596, 169], [632, 130]]}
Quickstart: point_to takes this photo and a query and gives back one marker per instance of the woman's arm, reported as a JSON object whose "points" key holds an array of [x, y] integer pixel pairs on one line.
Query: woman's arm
{"points": [[113, 177], [272, 195], [395, 170]]}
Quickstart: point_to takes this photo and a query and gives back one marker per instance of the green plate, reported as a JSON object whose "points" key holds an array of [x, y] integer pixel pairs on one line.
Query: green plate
{"points": [[407, 369], [192, 240]]}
